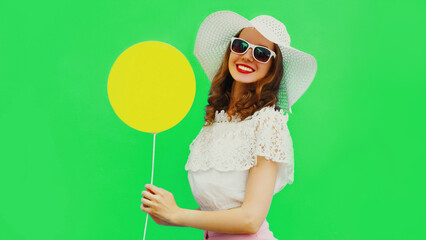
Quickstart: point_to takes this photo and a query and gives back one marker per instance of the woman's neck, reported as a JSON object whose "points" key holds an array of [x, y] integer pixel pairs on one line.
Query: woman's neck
{"points": [[237, 92]]}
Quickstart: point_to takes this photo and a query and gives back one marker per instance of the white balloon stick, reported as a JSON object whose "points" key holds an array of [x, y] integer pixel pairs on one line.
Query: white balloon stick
{"points": [[152, 181]]}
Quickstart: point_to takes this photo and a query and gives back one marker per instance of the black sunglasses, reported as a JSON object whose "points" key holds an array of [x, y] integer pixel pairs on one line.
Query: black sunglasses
{"points": [[260, 53]]}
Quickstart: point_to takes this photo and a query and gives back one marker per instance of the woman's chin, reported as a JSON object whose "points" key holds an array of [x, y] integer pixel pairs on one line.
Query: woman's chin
{"points": [[242, 77]]}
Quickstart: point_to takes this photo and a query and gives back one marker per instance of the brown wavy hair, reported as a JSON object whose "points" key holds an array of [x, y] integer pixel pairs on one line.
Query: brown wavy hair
{"points": [[260, 94]]}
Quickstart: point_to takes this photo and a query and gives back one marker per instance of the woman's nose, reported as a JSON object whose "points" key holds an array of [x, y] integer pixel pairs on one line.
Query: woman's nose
{"points": [[248, 55]]}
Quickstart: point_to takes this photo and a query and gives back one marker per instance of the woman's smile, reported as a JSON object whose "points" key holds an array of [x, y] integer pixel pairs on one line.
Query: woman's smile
{"points": [[243, 68]]}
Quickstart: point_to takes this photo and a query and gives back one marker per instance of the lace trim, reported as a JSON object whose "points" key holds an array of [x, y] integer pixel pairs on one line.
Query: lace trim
{"points": [[236, 146], [222, 116]]}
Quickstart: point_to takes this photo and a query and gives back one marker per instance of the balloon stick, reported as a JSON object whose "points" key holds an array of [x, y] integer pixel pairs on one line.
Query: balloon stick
{"points": [[152, 181]]}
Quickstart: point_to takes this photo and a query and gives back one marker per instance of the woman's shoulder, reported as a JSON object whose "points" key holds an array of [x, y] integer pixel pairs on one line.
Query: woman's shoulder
{"points": [[269, 112]]}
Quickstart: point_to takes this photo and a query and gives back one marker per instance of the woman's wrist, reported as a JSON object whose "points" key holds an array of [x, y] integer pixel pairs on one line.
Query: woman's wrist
{"points": [[178, 216], [172, 224], [177, 219]]}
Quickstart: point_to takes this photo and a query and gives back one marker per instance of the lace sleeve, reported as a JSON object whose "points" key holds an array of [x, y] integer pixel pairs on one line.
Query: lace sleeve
{"points": [[273, 141]]}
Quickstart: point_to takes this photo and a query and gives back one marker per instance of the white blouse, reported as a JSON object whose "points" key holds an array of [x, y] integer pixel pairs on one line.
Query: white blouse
{"points": [[222, 154]]}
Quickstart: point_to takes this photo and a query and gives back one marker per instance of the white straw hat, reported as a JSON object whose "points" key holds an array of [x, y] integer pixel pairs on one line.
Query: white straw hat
{"points": [[215, 34]]}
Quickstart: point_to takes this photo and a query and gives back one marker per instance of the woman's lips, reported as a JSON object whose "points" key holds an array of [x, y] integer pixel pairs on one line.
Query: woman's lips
{"points": [[242, 71]]}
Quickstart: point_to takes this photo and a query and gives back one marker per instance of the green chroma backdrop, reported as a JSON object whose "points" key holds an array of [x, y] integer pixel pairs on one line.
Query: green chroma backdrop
{"points": [[71, 169]]}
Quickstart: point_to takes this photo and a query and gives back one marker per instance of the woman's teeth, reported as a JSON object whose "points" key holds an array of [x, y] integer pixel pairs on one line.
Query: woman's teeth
{"points": [[245, 68]]}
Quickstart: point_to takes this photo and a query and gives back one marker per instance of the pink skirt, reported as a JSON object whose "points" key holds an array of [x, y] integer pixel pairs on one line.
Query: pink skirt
{"points": [[263, 234]]}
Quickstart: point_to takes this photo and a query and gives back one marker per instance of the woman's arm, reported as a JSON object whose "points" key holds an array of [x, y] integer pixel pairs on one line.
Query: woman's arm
{"points": [[260, 190], [226, 221], [165, 223], [245, 219]]}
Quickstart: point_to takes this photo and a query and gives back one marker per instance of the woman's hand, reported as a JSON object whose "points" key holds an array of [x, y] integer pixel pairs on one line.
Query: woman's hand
{"points": [[157, 220], [160, 221], [160, 204]]}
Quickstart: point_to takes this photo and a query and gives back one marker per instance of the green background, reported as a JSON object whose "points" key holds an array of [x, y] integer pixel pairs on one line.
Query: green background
{"points": [[71, 169]]}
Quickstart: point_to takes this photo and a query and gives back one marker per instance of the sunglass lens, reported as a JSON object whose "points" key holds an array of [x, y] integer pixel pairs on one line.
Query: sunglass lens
{"points": [[262, 54], [239, 46]]}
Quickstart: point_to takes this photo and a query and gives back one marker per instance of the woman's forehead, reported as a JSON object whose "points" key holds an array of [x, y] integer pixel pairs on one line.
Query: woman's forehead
{"points": [[253, 36]]}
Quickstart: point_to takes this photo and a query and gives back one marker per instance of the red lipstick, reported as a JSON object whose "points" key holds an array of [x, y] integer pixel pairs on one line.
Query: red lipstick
{"points": [[243, 71]]}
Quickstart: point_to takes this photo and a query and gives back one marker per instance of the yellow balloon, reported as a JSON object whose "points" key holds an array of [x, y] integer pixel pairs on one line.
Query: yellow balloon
{"points": [[151, 86]]}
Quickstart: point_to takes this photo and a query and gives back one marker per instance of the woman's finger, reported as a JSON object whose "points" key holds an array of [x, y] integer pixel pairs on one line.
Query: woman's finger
{"points": [[148, 195], [146, 202], [154, 189], [145, 209]]}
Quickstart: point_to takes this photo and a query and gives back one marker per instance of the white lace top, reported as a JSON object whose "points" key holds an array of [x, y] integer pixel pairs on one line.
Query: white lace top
{"points": [[222, 154]]}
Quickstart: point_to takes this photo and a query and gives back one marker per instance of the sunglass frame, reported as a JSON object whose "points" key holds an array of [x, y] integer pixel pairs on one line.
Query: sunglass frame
{"points": [[253, 46]]}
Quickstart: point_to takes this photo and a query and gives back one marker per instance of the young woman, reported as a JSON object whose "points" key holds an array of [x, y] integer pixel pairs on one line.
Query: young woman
{"points": [[243, 155]]}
